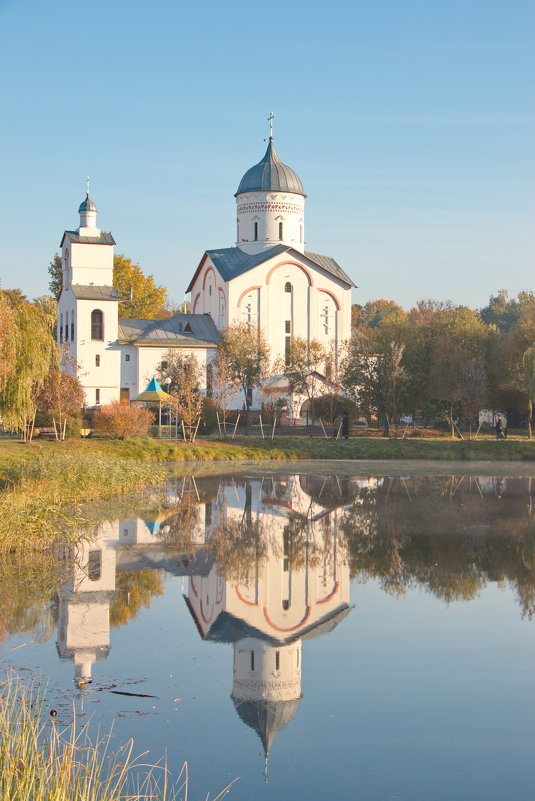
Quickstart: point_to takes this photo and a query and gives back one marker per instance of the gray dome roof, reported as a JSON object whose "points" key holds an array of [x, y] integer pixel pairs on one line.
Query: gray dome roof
{"points": [[271, 174], [266, 717], [87, 205]]}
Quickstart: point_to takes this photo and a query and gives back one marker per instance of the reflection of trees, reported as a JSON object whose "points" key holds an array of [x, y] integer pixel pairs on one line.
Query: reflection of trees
{"points": [[444, 534], [241, 545], [135, 589], [28, 584]]}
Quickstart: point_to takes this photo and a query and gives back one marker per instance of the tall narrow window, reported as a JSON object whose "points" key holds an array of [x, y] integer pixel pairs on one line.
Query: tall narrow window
{"points": [[94, 565], [300, 233], [252, 660], [97, 324], [277, 660], [209, 380], [256, 232], [280, 230], [60, 327], [287, 287], [288, 327], [72, 326], [97, 397], [97, 360]]}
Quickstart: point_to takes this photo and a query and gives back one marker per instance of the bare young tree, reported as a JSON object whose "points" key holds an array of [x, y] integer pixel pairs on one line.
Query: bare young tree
{"points": [[185, 389], [304, 367], [246, 352]]}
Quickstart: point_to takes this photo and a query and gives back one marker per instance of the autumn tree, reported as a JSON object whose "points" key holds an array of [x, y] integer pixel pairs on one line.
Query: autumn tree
{"points": [[7, 341], [60, 395], [55, 272], [147, 299], [33, 351], [247, 354], [528, 364], [304, 368], [185, 388], [374, 377]]}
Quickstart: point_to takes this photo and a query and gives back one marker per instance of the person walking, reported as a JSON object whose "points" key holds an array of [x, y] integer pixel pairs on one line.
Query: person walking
{"points": [[345, 425]]}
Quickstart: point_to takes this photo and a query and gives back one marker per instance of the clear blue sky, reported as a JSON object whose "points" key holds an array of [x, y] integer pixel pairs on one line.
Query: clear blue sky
{"points": [[411, 125]]}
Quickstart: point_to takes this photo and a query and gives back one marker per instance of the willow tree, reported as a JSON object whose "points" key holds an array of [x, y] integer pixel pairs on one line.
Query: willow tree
{"points": [[34, 351], [7, 340], [528, 364]]}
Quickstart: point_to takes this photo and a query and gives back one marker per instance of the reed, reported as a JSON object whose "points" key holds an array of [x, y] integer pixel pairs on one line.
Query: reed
{"points": [[43, 760], [41, 502]]}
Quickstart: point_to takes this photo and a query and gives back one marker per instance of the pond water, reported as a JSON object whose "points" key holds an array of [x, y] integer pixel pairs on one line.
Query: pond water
{"points": [[320, 631]]}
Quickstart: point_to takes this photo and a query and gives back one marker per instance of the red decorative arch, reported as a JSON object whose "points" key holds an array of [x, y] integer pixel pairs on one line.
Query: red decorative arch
{"points": [[330, 595], [210, 269], [333, 296], [242, 599], [292, 628], [243, 294], [195, 302], [293, 264]]}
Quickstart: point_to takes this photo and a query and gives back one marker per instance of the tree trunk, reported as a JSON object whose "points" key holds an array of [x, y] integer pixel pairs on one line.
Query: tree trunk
{"points": [[451, 423], [530, 410]]}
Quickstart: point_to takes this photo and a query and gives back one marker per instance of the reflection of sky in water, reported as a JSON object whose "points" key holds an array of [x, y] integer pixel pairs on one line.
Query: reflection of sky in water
{"points": [[414, 693]]}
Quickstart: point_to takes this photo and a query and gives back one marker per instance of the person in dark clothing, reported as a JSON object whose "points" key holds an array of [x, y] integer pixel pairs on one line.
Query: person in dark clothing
{"points": [[499, 429], [345, 425]]}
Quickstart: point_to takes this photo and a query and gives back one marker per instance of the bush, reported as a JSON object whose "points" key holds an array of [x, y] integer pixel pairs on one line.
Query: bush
{"points": [[209, 416], [121, 420]]}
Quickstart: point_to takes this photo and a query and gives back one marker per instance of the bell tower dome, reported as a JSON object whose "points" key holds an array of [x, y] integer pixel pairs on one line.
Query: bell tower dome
{"points": [[270, 205]]}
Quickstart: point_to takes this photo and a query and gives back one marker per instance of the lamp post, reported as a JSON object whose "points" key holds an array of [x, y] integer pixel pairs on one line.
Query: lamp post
{"points": [[167, 383]]}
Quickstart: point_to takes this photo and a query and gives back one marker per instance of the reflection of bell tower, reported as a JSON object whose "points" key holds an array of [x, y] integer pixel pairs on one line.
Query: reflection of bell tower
{"points": [[84, 603]]}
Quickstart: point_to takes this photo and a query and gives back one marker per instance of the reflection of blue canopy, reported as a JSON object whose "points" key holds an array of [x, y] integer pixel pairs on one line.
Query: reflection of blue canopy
{"points": [[152, 526]]}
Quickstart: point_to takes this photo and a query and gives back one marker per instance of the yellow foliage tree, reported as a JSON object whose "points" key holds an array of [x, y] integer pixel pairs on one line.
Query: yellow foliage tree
{"points": [[147, 299]]}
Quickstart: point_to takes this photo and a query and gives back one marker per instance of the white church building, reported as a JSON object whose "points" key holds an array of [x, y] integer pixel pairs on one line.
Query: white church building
{"points": [[268, 280]]}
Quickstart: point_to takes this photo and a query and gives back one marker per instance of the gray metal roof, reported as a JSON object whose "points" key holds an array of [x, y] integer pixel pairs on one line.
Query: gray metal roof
{"points": [[87, 204], [92, 292], [171, 331], [103, 238], [231, 262], [266, 717], [271, 174]]}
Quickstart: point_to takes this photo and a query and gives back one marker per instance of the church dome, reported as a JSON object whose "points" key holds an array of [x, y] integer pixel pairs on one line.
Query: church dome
{"points": [[271, 174], [87, 205]]}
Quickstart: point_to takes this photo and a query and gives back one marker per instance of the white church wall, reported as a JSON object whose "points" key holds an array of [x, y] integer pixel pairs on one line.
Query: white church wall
{"points": [[98, 359], [149, 360], [269, 211], [91, 264]]}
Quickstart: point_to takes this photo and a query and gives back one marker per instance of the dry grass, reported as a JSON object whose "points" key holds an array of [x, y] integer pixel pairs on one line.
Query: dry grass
{"points": [[41, 760]]}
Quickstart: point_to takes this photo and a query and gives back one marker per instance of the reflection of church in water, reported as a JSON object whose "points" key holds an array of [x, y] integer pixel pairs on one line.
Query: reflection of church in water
{"points": [[293, 586]]}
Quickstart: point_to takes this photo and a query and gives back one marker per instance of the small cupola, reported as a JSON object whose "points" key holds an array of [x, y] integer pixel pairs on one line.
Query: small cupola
{"points": [[88, 213]]}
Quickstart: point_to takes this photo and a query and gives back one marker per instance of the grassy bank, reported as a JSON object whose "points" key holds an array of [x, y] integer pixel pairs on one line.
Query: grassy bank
{"points": [[12, 454], [44, 760], [43, 491]]}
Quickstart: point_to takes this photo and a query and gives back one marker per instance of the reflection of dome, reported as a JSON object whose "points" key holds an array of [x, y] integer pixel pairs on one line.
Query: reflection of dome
{"points": [[271, 174], [266, 717]]}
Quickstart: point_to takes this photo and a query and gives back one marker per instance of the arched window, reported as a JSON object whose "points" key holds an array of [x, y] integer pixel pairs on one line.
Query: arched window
{"points": [[97, 324], [72, 326], [256, 232], [287, 287], [280, 230]]}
